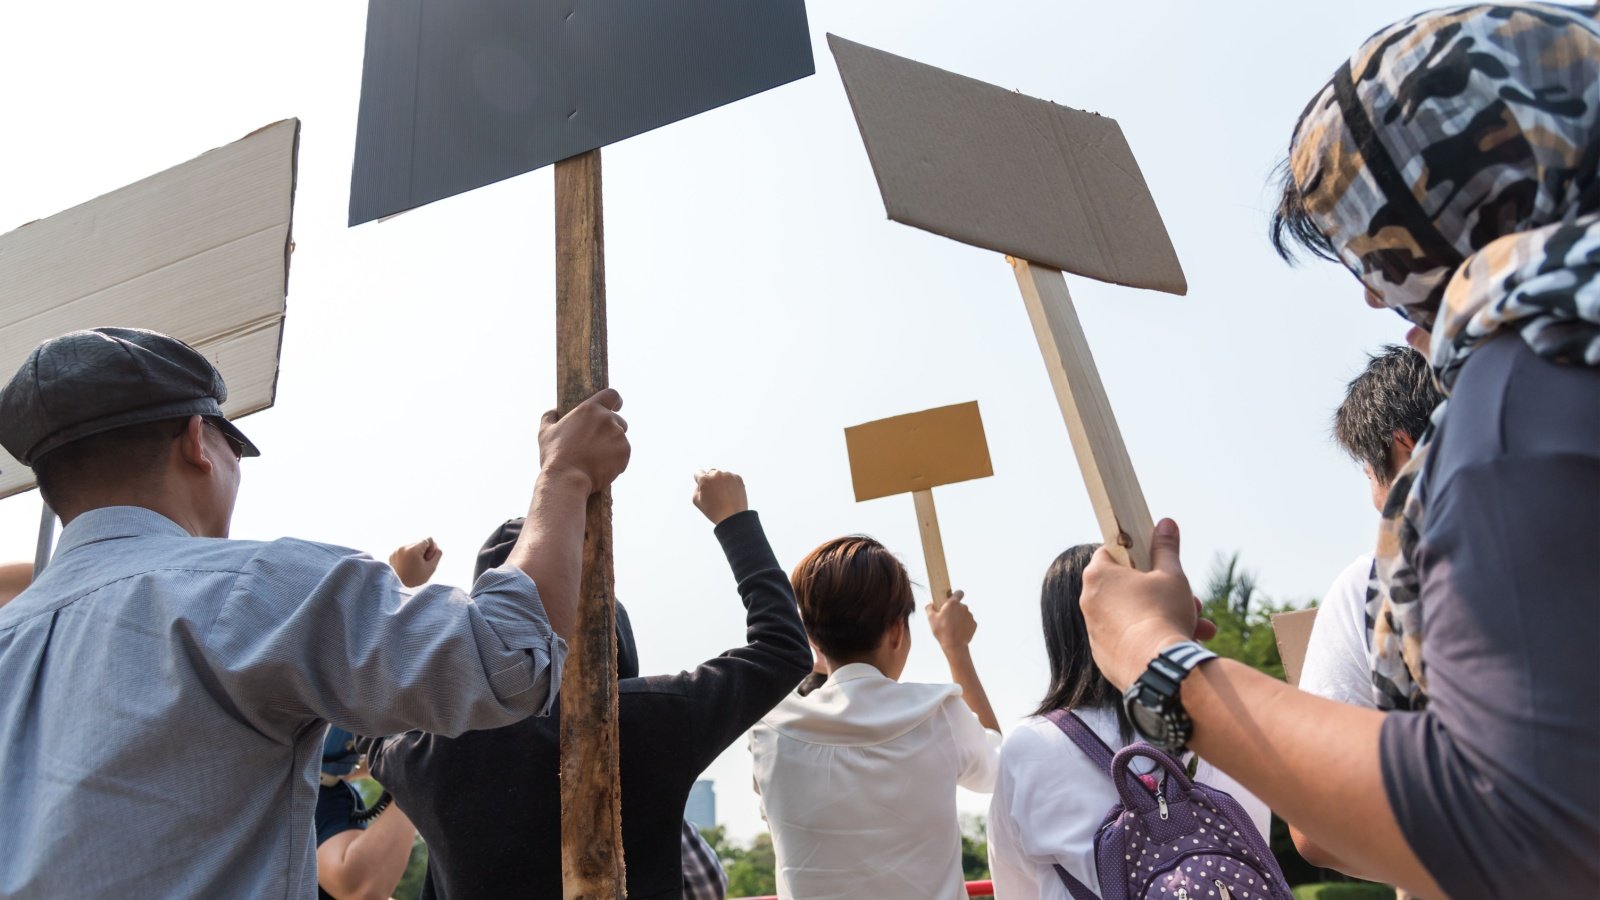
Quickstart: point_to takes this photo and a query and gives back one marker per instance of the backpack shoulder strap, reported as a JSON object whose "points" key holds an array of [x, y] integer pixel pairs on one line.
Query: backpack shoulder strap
{"points": [[1075, 887], [1083, 736]]}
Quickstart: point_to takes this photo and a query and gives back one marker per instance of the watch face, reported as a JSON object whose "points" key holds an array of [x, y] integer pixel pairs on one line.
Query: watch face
{"points": [[1146, 721]]}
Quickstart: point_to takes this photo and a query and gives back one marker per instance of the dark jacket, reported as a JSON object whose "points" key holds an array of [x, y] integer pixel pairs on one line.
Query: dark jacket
{"points": [[488, 802]]}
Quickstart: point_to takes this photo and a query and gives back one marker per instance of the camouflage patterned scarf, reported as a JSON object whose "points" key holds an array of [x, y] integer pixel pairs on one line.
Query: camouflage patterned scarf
{"points": [[1453, 164]]}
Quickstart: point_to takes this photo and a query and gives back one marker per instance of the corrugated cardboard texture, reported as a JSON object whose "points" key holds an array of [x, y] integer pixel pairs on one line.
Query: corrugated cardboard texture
{"points": [[200, 252], [1010, 173], [1293, 631], [917, 451], [457, 94]]}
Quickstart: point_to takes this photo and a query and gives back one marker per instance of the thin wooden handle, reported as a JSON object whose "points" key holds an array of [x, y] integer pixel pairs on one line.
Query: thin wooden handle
{"points": [[592, 867], [932, 547], [1119, 505]]}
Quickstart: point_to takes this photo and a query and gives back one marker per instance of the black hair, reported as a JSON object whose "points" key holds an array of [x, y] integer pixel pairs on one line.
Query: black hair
{"points": [[1292, 229], [1395, 392], [121, 455], [1075, 679]]}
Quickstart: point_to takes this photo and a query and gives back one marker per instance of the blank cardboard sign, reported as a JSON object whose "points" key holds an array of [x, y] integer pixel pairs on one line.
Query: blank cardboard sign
{"points": [[1293, 633], [917, 451], [200, 252], [457, 94], [1007, 172]]}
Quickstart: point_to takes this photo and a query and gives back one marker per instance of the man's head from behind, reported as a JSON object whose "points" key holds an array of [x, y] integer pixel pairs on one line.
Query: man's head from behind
{"points": [[122, 416], [1385, 410], [497, 549]]}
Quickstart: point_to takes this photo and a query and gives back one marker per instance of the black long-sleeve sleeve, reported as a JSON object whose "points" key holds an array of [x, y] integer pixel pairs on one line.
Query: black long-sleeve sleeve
{"points": [[727, 694]]}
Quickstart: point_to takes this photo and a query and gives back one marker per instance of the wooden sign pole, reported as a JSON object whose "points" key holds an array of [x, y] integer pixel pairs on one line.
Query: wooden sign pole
{"points": [[47, 537], [1114, 491], [592, 867], [932, 547]]}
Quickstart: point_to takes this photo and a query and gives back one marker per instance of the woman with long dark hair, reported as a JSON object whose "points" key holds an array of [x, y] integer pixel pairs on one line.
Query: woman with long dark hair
{"points": [[1050, 798]]}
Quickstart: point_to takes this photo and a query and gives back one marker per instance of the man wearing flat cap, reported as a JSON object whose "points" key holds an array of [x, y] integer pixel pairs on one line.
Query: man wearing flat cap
{"points": [[150, 627]]}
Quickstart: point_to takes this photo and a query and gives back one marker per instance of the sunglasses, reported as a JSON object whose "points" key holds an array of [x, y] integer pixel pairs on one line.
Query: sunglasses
{"points": [[236, 445]]}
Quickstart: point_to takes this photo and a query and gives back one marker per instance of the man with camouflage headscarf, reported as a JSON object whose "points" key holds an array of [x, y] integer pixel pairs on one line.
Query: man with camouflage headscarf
{"points": [[1453, 165]]}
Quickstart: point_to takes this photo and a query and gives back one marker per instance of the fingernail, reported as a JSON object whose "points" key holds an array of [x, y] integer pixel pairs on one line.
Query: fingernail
{"points": [[1166, 528]]}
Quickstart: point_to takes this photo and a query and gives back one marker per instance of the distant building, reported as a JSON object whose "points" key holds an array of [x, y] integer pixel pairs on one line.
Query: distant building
{"points": [[702, 807]]}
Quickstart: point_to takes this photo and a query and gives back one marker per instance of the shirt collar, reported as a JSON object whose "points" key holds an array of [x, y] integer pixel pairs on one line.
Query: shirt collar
{"points": [[112, 522], [855, 672]]}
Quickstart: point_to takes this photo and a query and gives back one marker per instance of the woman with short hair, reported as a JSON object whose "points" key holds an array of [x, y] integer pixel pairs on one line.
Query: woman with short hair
{"points": [[857, 777]]}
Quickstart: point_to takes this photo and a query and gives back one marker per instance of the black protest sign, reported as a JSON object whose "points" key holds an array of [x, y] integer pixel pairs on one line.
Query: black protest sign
{"points": [[457, 94]]}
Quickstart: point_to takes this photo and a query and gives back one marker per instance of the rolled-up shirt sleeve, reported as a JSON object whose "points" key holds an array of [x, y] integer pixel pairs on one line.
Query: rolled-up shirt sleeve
{"points": [[314, 632]]}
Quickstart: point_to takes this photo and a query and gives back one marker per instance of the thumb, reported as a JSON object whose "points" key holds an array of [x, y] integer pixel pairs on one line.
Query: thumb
{"points": [[1164, 548], [550, 417]]}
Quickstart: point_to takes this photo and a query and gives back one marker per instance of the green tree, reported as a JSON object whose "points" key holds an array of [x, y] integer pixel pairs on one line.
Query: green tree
{"points": [[753, 870], [974, 847], [1243, 617]]}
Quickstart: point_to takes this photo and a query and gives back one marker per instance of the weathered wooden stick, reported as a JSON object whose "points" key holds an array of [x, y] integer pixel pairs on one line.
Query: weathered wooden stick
{"points": [[932, 548], [47, 537], [592, 867], [1119, 505]]}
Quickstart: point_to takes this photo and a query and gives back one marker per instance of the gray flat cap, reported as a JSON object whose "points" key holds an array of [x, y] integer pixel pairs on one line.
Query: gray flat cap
{"points": [[88, 382]]}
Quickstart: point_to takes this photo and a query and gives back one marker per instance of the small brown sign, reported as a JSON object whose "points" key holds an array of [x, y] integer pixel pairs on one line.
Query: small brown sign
{"points": [[918, 451]]}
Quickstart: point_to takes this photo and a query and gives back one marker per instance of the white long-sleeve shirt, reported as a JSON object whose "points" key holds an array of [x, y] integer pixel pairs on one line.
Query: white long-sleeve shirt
{"points": [[1049, 801], [857, 782]]}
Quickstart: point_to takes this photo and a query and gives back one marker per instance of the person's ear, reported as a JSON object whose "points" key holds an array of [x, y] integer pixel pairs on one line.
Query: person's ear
{"points": [[192, 445], [1403, 442], [900, 633]]}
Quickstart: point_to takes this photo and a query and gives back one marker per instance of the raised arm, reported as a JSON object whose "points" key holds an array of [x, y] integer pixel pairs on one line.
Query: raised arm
{"points": [[1312, 760], [416, 563], [579, 454], [729, 693], [953, 627]]}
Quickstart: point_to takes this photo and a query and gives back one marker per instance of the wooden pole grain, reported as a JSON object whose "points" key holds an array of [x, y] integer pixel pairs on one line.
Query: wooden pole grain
{"points": [[932, 547], [592, 866], [1114, 491]]}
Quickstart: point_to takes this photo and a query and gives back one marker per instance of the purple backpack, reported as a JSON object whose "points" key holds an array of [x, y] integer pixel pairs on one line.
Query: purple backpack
{"points": [[1177, 840]]}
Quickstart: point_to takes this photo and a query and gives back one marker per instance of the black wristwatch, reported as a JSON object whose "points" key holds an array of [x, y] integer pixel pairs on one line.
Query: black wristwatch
{"points": [[1153, 705]]}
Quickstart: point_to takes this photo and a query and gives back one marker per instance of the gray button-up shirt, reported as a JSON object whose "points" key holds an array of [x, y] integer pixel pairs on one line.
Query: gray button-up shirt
{"points": [[163, 699]]}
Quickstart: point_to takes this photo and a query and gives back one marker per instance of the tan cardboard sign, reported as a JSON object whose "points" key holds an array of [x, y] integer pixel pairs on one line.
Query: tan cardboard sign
{"points": [[200, 252], [1001, 170], [917, 451], [1293, 631]]}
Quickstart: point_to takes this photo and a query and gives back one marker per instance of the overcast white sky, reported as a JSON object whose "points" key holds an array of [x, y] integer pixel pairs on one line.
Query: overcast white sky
{"points": [[760, 302]]}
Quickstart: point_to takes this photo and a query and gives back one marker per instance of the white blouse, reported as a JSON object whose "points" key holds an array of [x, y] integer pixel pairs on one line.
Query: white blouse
{"points": [[857, 783], [1049, 800]]}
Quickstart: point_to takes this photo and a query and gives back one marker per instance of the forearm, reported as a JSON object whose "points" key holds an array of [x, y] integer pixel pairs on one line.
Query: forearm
{"points": [[379, 855], [550, 547], [964, 673], [367, 864], [1318, 855], [14, 579], [1314, 761]]}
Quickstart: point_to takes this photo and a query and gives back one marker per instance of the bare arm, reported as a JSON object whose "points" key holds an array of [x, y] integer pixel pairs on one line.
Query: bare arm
{"points": [[14, 579], [367, 865], [579, 454], [1314, 853], [953, 626], [1314, 761]]}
